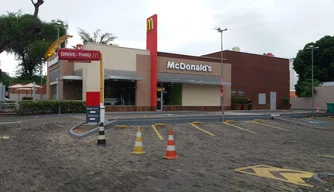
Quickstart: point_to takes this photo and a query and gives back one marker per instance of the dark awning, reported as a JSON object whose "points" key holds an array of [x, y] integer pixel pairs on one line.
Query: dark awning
{"points": [[190, 79]]}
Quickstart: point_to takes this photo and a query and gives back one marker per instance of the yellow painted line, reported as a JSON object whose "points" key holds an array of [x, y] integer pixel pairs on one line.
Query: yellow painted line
{"points": [[159, 124], [229, 121], [121, 126], [6, 137], [272, 126], [239, 128], [258, 120], [329, 156], [5, 123], [331, 117], [197, 122], [201, 129], [157, 132], [286, 175]]}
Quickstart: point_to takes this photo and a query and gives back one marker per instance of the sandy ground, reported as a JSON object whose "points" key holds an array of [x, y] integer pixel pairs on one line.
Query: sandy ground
{"points": [[41, 156]]}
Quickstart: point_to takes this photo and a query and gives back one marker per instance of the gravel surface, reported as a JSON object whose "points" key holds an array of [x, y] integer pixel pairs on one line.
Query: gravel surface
{"points": [[41, 156]]}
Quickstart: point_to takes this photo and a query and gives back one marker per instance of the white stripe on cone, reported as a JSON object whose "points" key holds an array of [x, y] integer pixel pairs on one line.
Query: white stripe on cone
{"points": [[138, 134], [171, 137], [101, 128], [138, 144], [101, 137], [171, 148]]}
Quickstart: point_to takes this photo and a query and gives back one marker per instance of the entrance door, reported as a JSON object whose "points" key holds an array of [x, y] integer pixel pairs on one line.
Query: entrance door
{"points": [[272, 100], [160, 97]]}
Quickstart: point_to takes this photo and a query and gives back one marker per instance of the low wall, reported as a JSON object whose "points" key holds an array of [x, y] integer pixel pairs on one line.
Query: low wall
{"points": [[324, 95], [18, 97]]}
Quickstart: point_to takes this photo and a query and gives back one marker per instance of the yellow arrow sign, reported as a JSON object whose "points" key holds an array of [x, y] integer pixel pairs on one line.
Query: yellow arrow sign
{"points": [[286, 175]]}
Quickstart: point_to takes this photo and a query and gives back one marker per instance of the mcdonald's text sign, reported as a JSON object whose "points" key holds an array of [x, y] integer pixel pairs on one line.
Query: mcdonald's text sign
{"points": [[77, 55]]}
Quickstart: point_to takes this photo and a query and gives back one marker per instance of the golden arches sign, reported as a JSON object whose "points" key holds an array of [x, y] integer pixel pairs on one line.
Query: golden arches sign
{"points": [[149, 24], [54, 45]]}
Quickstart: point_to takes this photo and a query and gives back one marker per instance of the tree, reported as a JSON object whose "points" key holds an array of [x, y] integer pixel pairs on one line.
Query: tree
{"points": [[323, 62], [98, 37], [31, 51], [14, 30]]}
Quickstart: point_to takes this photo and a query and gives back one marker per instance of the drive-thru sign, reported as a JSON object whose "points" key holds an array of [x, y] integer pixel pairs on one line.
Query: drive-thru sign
{"points": [[94, 100]]}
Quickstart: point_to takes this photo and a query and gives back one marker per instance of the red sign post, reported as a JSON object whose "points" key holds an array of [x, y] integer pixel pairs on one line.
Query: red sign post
{"points": [[93, 99]]}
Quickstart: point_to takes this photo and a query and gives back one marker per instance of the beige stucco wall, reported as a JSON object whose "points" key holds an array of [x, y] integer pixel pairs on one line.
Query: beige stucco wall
{"points": [[200, 95], [324, 95], [114, 57]]}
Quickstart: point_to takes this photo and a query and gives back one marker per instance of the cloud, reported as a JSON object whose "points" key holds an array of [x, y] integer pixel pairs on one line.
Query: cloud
{"points": [[278, 26]]}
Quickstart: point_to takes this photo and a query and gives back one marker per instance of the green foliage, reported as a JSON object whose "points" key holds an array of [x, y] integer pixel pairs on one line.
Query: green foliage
{"points": [[27, 98], [6, 79], [239, 100], [286, 101], [323, 61], [98, 37], [304, 88], [50, 107], [30, 51], [14, 24]]}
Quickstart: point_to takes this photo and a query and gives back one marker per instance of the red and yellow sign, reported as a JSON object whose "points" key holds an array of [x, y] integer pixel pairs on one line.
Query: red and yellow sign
{"points": [[77, 55]]}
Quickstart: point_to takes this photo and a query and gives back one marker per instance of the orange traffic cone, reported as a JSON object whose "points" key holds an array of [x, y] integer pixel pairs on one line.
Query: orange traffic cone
{"points": [[171, 153], [139, 147], [317, 109]]}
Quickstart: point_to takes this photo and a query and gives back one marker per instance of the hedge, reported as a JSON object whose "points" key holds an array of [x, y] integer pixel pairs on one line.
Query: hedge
{"points": [[286, 101], [50, 107], [239, 100]]}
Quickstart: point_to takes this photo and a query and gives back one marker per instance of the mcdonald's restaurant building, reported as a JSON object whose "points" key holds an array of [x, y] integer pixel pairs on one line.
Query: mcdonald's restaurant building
{"points": [[183, 82], [143, 79]]}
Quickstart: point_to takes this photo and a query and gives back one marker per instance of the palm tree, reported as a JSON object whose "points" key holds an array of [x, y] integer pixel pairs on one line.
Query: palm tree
{"points": [[98, 37]]}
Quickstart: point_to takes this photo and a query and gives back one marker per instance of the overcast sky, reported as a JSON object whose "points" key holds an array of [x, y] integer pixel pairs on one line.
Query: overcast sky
{"points": [[281, 27]]}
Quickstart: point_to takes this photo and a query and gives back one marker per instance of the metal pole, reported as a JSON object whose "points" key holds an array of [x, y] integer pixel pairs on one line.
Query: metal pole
{"points": [[41, 78], [312, 85], [222, 68], [222, 71], [58, 80]]}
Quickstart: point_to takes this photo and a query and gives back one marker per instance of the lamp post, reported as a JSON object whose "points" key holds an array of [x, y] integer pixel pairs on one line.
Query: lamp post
{"points": [[219, 30], [312, 48], [42, 78], [58, 71]]}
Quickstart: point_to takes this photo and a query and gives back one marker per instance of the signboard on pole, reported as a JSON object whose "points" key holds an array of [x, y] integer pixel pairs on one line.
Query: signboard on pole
{"points": [[221, 91], [78, 55], [221, 87], [93, 107], [93, 114]]}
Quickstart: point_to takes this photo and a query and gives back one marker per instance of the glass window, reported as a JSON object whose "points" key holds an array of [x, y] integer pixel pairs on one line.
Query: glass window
{"points": [[241, 93], [233, 93], [119, 92], [262, 98]]}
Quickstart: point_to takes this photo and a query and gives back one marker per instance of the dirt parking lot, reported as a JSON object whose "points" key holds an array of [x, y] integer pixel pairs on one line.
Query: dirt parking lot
{"points": [[41, 156]]}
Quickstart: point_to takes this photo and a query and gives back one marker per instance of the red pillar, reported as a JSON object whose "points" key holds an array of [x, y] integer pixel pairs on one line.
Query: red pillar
{"points": [[152, 46]]}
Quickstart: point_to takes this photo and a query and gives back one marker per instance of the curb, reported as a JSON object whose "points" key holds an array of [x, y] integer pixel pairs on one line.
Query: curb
{"points": [[176, 120], [301, 124], [107, 125]]}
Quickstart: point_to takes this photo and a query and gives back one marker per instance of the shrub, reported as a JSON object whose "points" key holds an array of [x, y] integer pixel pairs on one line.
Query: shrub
{"points": [[50, 107], [286, 101], [239, 100], [27, 98]]}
